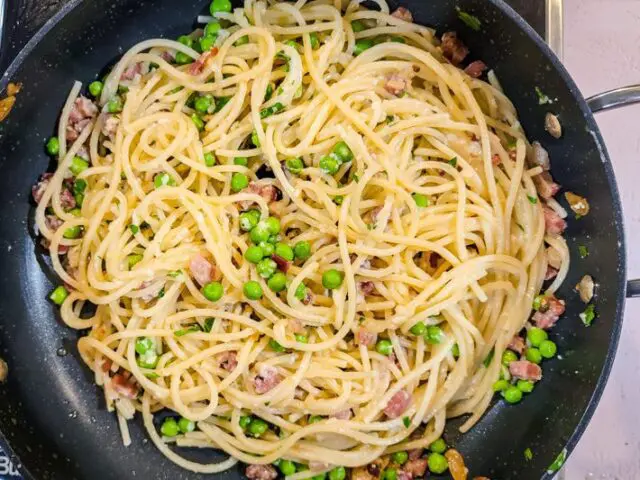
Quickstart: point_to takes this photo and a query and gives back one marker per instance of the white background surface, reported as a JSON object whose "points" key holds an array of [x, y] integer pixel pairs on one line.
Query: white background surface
{"points": [[602, 51]]}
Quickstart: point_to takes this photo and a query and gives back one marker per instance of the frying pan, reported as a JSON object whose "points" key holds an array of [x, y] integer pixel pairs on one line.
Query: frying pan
{"points": [[52, 417]]}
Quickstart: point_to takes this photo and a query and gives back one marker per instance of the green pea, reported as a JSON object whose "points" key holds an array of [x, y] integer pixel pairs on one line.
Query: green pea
{"points": [[533, 355], [247, 221], [148, 359], [302, 250], [421, 200], [358, 26], [455, 350], [390, 474], [59, 295], [508, 356], [209, 159], [53, 146], [315, 42], [252, 290], [244, 421], [207, 42], [239, 181], [219, 6], [548, 349], [301, 291], [213, 291], [438, 446], [185, 425], [343, 152], [525, 386], [78, 165], [287, 467], [267, 248], [266, 268], [133, 260], [329, 164], [255, 139], [203, 104], [501, 385], [186, 40], [362, 45], [512, 394], [437, 463], [285, 251], [277, 282], [212, 28], [170, 427], [72, 232], [418, 329], [384, 347], [536, 336], [294, 165], [242, 161], [338, 473], [434, 334], [114, 105], [95, 88], [197, 121], [163, 179], [257, 427], [400, 457], [273, 225], [254, 254], [332, 279], [315, 419], [243, 40], [320, 476], [301, 338], [275, 346], [143, 344]]}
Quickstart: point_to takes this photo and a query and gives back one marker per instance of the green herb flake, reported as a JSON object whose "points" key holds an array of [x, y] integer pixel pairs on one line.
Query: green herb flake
{"points": [[174, 273], [182, 332], [589, 315], [583, 251], [355, 177], [558, 462], [453, 162], [487, 361], [407, 422], [532, 199], [208, 324], [543, 98], [528, 454], [469, 20], [152, 375], [134, 228], [161, 293], [512, 143]]}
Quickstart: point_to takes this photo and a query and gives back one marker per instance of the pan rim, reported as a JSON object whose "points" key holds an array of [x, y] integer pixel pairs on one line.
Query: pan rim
{"points": [[580, 101]]}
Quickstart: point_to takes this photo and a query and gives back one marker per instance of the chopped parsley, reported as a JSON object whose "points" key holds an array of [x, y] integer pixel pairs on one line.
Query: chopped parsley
{"points": [[532, 199], [174, 273], [134, 228], [161, 293], [453, 162], [273, 109], [487, 361], [588, 315], [583, 251], [184, 331], [151, 375], [512, 143], [469, 20], [208, 324], [558, 462], [543, 98], [389, 119], [528, 454], [355, 177], [407, 422]]}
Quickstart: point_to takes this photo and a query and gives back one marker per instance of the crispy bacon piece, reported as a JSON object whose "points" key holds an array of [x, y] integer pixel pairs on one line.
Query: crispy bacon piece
{"points": [[403, 14], [517, 344], [125, 385], [453, 48], [228, 360], [475, 69], [525, 370], [343, 414], [202, 270], [415, 468], [398, 404], [545, 185], [554, 224], [83, 111], [547, 316], [495, 159], [266, 379], [415, 453], [366, 288], [41, 185], [366, 338], [282, 263], [551, 273], [197, 67], [396, 84], [131, 71]]}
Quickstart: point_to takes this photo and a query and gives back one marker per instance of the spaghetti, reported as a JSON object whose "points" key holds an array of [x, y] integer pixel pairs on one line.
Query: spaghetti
{"points": [[313, 241]]}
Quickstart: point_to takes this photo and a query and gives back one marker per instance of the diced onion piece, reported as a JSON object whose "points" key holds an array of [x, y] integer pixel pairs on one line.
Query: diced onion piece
{"points": [[552, 125]]}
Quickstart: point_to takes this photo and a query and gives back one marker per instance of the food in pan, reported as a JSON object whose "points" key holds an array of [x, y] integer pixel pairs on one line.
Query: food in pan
{"points": [[304, 236]]}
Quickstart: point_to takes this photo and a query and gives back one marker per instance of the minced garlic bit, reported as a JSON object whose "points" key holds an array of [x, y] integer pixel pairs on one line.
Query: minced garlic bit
{"points": [[578, 204], [552, 125], [585, 288], [6, 104], [4, 370], [456, 465]]}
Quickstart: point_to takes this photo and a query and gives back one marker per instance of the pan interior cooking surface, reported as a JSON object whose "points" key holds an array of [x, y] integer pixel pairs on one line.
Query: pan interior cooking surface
{"points": [[55, 392]]}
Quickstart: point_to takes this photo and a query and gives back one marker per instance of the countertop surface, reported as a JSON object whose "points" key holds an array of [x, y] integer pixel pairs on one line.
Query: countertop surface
{"points": [[601, 52]]}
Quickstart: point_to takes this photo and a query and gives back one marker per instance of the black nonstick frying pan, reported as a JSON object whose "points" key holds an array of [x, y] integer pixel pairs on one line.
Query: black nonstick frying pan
{"points": [[52, 417]]}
